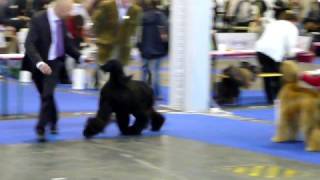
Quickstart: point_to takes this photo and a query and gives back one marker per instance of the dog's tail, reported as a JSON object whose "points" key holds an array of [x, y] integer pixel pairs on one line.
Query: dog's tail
{"points": [[290, 71], [157, 120]]}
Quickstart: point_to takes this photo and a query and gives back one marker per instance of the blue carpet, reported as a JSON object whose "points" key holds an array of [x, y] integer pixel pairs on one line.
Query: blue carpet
{"points": [[267, 114], [248, 136], [66, 101], [164, 91], [252, 97], [249, 98], [317, 61]]}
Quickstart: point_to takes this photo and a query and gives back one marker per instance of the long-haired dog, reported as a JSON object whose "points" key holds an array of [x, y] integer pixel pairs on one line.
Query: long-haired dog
{"points": [[124, 97], [299, 110], [234, 78]]}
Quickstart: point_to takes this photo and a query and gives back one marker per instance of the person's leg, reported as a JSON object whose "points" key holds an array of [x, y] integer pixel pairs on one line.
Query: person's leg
{"points": [[146, 74], [276, 81], [155, 71], [267, 65], [50, 85], [45, 85], [38, 79], [268, 89], [63, 75]]}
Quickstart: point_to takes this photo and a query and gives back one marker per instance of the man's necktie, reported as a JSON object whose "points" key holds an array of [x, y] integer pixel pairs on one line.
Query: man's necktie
{"points": [[60, 39]]}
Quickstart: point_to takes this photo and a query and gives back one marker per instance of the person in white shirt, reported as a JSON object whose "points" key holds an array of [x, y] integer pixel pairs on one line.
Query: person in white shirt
{"points": [[278, 41]]}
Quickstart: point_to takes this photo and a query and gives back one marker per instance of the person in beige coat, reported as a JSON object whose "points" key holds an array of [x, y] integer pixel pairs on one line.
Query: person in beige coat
{"points": [[115, 24], [115, 27]]}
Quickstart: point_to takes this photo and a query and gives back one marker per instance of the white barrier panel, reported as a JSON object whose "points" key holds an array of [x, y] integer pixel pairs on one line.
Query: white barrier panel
{"points": [[22, 35], [79, 79], [25, 77], [246, 41], [2, 37], [236, 41], [189, 67], [304, 43]]}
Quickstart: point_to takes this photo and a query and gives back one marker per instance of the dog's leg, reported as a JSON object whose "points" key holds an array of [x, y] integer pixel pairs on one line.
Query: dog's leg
{"points": [[157, 120], [104, 110], [313, 140], [123, 120], [93, 127], [96, 125], [287, 127], [310, 127], [139, 124]]}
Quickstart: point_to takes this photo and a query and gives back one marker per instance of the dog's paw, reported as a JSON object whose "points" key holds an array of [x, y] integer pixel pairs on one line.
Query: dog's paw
{"points": [[278, 139], [93, 127], [158, 125], [87, 133], [312, 146], [312, 149], [157, 121]]}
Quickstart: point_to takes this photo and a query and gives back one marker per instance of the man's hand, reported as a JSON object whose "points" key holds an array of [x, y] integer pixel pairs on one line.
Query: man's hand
{"points": [[45, 69], [23, 18], [88, 60]]}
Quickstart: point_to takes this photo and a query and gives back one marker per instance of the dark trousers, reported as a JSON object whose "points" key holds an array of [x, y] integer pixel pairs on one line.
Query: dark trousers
{"points": [[46, 85], [63, 75], [271, 84]]}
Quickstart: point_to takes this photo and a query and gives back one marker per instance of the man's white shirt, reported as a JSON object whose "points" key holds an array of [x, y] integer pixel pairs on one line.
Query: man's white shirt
{"points": [[122, 10], [280, 38], [53, 29], [52, 17]]}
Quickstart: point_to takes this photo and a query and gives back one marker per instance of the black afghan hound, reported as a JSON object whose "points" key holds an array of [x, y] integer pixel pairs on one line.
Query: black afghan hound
{"points": [[124, 97]]}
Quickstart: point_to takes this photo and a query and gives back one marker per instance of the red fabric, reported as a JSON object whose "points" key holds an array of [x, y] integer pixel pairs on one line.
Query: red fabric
{"points": [[75, 31], [313, 80], [306, 57]]}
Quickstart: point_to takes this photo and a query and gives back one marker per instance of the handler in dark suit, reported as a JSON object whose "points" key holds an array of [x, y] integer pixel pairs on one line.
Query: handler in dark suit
{"points": [[46, 45]]}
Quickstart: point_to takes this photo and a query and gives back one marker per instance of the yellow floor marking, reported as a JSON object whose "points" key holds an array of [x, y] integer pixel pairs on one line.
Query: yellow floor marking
{"points": [[290, 173], [256, 171], [240, 170], [273, 172]]}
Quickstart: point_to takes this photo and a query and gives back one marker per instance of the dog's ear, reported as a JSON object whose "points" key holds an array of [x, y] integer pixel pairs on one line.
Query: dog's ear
{"points": [[290, 70], [245, 64], [228, 70], [106, 67], [250, 67], [111, 65], [245, 77]]}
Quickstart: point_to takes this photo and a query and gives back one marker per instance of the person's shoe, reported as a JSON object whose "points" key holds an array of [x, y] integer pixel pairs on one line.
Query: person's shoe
{"points": [[159, 98], [41, 138], [41, 135], [54, 130]]}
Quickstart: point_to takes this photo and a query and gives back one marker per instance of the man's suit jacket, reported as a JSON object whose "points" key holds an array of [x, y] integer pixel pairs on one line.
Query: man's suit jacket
{"points": [[40, 4], [38, 42], [110, 32]]}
